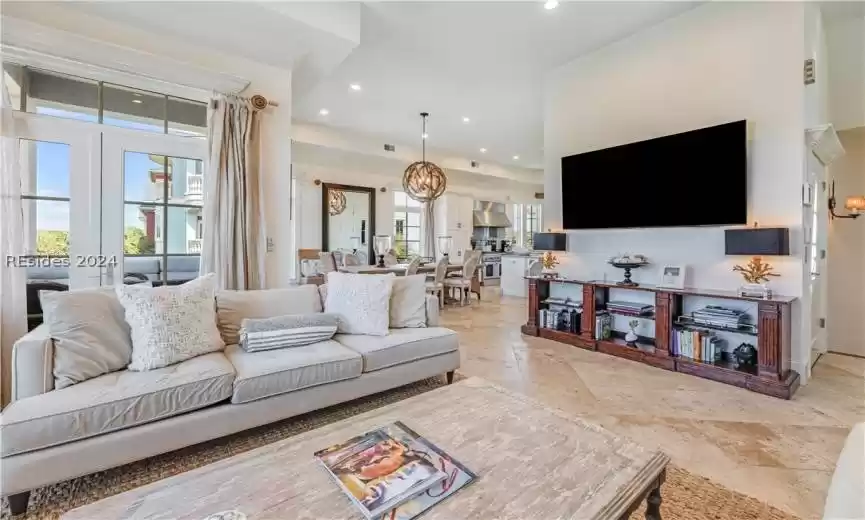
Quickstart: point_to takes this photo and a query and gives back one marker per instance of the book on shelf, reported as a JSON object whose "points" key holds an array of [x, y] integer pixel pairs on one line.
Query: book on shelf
{"points": [[379, 470], [700, 345]]}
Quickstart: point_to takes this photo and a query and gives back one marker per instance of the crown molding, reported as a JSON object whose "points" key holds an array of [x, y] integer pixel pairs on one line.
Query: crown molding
{"points": [[35, 45]]}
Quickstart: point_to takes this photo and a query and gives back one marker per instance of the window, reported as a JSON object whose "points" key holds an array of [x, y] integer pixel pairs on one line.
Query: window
{"points": [[406, 225], [45, 173], [527, 222], [162, 211], [60, 95]]}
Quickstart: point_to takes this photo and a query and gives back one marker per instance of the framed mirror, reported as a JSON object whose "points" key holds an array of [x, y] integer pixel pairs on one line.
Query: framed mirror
{"points": [[348, 221]]}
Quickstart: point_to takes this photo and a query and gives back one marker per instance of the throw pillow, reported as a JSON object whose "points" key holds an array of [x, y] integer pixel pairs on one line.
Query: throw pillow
{"points": [[292, 330], [232, 307], [170, 324], [408, 302], [362, 302], [90, 336]]}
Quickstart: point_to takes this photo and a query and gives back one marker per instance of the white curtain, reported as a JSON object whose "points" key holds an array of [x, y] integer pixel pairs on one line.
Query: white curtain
{"points": [[13, 291], [234, 243], [429, 232]]}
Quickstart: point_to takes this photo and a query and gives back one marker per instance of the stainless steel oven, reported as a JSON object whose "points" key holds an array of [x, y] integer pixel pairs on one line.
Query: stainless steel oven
{"points": [[492, 268]]}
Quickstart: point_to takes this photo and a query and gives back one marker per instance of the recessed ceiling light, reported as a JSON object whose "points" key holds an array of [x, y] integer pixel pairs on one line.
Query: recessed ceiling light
{"points": [[516, 157], [136, 101], [323, 112], [483, 150], [551, 4], [354, 86], [466, 120], [425, 135]]}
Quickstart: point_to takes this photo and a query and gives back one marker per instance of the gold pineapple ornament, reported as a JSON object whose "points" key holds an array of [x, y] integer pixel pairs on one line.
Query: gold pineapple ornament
{"points": [[757, 271]]}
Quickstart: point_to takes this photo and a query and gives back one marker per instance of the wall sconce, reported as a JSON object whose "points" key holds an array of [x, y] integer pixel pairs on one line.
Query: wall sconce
{"points": [[855, 205]]}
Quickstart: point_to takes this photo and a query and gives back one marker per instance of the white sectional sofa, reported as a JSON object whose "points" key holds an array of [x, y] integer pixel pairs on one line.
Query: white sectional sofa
{"points": [[846, 497], [52, 435]]}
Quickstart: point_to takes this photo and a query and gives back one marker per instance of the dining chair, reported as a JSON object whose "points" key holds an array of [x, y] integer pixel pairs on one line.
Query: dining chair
{"points": [[327, 262], [363, 257], [464, 282], [535, 268], [437, 286], [390, 258], [350, 259], [412, 266]]}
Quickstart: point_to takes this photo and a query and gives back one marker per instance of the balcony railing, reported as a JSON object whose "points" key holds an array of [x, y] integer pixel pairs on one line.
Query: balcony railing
{"points": [[194, 186], [193, 245]]}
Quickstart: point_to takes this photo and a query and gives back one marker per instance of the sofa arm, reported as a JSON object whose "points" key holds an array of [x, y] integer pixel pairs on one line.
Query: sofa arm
{"points": [[846, 498], [432, 311], [33, 364]]}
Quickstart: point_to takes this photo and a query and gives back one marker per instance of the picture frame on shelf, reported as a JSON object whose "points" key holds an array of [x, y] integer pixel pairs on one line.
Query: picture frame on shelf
{"points": [[673, 276]]}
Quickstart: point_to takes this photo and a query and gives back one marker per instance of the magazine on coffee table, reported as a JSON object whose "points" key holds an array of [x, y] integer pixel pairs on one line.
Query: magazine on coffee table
{"points": [[458, 476], [380, 472]]}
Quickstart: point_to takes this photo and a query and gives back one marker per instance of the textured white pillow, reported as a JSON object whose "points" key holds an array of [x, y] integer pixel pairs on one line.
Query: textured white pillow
{"points": [[362, 302], [408, 302], [170, 324]]}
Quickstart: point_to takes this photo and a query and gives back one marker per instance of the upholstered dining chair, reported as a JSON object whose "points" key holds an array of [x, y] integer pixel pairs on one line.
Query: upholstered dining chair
{"points": [[327, 262], [350, 259], [412, 266], [437, 286], [535, 268], [464, 282], [390, 258], [363, 257]]}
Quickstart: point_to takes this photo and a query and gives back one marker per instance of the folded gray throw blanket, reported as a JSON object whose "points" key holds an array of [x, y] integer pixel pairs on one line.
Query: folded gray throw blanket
{"points": [[292, 330]]}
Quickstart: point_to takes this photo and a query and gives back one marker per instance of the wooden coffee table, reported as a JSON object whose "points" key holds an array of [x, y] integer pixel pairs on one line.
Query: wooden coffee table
{"points": [[533, 462]]}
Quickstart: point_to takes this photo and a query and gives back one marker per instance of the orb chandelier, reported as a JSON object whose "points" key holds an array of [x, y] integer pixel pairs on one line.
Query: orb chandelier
{"points": [[424, 181], [336, 202]]}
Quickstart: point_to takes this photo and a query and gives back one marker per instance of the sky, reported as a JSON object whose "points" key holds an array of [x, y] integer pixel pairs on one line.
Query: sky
{"points": [[53, 174]]}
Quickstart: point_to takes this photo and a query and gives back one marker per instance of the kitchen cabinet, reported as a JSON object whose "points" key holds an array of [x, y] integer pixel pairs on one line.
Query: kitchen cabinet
{"points": [[454, 218], [513, 282]]}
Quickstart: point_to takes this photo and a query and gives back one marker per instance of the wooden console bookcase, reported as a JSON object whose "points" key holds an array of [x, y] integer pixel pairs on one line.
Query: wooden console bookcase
{"points": [[772, 375]]}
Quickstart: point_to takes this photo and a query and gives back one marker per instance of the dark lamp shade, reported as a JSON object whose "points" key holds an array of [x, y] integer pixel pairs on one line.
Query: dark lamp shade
{"points": [[550, 242], [757, 242]]}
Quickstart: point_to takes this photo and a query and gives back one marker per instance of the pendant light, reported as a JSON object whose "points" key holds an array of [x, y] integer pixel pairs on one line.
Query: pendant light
{"points": [[424, 181]]}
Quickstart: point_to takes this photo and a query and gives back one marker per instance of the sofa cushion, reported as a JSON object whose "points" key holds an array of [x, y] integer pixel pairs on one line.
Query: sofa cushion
{"points": [[400, 346], [170, 324], [273, 372], [113, 402], [362, 302], [91, 336], [232, 307], [408, 302]]}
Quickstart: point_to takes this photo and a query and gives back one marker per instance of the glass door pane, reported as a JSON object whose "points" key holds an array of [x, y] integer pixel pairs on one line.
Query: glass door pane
{"points": [[157, 221]]}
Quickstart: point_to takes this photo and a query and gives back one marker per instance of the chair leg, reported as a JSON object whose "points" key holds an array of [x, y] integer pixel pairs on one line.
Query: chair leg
{"points": [[18, 502], [450, 376]]}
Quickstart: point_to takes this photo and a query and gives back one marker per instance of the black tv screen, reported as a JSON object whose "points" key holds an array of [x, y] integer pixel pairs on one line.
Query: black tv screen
{"points": [[697, 178]]}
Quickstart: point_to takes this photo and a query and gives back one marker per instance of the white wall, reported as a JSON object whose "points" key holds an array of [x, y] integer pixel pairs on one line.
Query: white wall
{"points": [[717, 63], [845, 40], [846, 259]]}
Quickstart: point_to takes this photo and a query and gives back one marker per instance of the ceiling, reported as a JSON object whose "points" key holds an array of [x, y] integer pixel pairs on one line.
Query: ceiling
{"points": [[481, 60]]}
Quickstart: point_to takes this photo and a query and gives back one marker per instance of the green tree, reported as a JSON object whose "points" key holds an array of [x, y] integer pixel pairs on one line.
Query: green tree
{"points": [[54, 243], [135, 242]]}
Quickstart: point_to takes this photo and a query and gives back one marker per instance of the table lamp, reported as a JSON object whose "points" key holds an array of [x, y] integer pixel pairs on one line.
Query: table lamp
{"points": [[756, 242], [382, 246], [549, 242], [445, 243]]}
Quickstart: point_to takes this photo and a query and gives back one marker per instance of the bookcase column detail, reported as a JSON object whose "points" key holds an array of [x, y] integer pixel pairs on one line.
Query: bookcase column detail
{"points": [[769, 324], [587, 325], [663, 322], [531, 326]]}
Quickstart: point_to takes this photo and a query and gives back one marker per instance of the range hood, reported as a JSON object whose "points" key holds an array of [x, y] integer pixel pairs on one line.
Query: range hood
{"points": [[490, 215]]}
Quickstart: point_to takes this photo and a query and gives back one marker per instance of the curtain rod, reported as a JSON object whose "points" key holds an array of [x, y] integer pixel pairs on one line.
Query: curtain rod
{"points": [[258, 101]]}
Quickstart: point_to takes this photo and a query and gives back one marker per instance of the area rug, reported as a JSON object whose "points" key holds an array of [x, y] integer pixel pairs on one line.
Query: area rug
{"points": [[686, 496]]}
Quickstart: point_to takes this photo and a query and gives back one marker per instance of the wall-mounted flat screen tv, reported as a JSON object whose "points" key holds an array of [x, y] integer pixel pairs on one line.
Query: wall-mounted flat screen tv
{"points": [[696, 178]]}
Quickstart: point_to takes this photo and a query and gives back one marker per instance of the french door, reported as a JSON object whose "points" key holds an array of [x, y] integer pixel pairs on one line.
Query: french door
{"points": [[100, 202], [60, 187], [152, 206]]}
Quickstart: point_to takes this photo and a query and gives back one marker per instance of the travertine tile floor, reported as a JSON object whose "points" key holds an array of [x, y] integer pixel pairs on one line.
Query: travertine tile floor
{"points": [[782, 452]]}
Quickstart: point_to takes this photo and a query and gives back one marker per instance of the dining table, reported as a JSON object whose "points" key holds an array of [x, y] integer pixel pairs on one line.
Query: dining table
{"points": [[398, 269]]}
